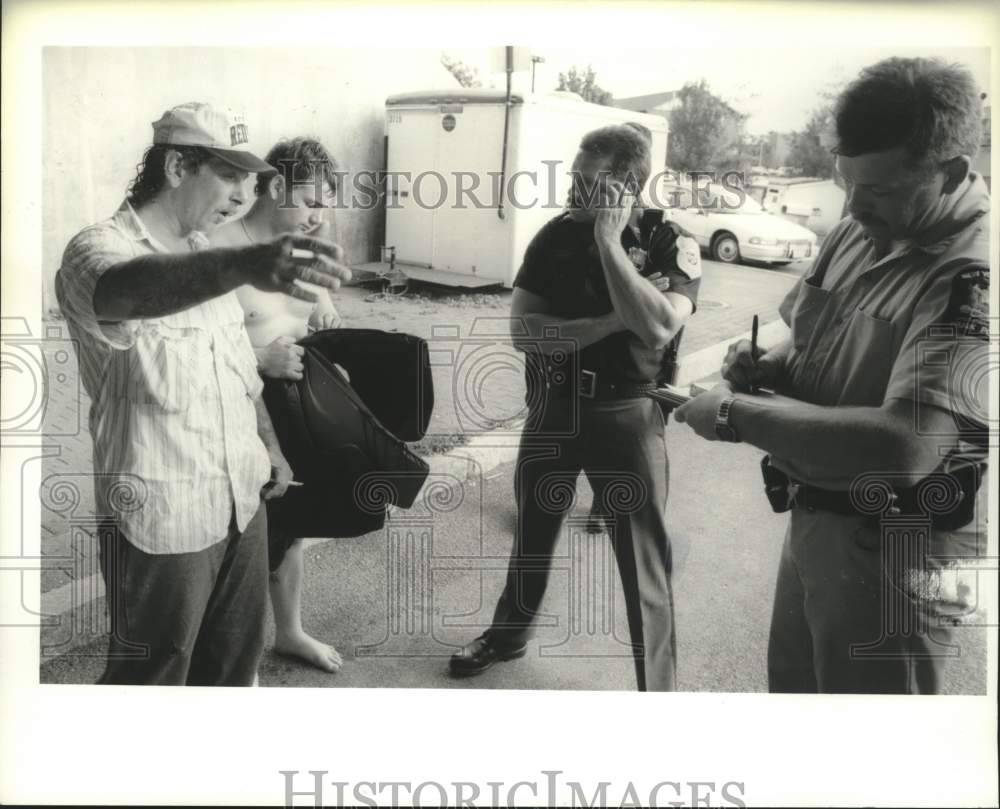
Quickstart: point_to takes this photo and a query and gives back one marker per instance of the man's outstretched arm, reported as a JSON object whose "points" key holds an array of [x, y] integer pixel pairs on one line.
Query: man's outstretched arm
{"points": [[160, 284]]}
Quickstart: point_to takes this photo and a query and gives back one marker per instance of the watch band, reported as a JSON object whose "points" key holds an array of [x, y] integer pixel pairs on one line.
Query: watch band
{"points": [[723, 426]]}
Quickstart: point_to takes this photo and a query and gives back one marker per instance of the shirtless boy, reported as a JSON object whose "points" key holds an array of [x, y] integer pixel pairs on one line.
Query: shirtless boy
{"points": [[295, 199]]}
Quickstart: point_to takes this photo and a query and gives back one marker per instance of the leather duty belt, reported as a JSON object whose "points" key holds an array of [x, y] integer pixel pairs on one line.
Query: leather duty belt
{"points": [[591, 385]]}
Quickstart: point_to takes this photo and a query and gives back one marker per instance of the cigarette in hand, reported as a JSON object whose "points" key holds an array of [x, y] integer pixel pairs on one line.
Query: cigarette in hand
{"points": [[295, 483]]}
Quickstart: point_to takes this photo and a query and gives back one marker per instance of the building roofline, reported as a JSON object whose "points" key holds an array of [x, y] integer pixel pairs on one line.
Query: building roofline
{"points": [[796, 180], [652, 99]]}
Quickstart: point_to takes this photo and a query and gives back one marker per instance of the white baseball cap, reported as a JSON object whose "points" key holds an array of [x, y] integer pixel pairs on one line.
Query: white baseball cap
{"points": [[221, 132]]}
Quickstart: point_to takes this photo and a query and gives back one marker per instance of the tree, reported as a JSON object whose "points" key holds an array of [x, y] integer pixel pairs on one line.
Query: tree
{"points": [[810, 150], [810, 153], [706, 134], [464, 74], [585, 85]]}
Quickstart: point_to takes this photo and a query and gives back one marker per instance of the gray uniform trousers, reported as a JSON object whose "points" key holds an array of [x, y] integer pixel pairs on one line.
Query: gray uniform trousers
{"points": [[620, 446], [860, 609]]}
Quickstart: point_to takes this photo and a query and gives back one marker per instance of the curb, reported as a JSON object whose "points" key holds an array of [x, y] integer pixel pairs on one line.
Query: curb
{"points": [[708, 361], [486, 451]]}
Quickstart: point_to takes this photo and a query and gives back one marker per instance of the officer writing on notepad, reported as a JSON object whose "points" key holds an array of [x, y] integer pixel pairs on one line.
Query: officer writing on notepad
{"points": [[878, 445], [604, 290]]}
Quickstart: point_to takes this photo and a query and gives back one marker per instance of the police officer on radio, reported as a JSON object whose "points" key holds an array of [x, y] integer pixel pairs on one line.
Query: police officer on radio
{"points": [[884, 396], [616, 284]]}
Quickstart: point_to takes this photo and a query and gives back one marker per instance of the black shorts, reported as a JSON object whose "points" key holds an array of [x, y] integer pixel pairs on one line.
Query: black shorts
{"points": [[279, 536], [278, 541]]}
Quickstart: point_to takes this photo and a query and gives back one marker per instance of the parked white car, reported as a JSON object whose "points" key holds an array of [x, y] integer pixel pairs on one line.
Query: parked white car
{"points": [[732, 226]]}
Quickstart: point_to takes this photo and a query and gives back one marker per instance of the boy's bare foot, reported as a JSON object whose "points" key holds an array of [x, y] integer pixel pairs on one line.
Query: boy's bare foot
{"points": [[311, 650]]}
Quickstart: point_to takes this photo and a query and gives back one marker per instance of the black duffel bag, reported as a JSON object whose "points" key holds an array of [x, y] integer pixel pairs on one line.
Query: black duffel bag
{"points": [[351, 464], [389, 371]]}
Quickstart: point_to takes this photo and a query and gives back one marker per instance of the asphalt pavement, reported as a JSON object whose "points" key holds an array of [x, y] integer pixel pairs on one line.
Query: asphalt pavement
{"points": [[398, 602], [478, 383]]}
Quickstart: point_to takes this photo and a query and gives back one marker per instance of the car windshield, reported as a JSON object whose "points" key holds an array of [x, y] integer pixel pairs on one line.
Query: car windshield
{"points": [[714, 199]]}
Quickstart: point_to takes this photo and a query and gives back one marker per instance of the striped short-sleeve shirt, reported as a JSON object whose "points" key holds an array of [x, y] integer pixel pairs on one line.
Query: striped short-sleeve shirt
{"points": [[172, 412]]}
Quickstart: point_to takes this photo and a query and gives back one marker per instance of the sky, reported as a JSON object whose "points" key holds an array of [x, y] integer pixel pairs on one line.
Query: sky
{"points": [[777, 86]]}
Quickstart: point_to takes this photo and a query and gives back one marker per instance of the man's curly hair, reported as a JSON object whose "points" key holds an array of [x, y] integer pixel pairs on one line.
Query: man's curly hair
{"points": [[298, 159], [151, 172]]}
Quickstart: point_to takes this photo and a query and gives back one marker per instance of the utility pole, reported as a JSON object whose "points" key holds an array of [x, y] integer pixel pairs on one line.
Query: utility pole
{"points": [[534, 61]]}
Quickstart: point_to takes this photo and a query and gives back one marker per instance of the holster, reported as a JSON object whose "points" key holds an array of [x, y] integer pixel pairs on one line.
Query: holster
{"points": [[777, 486], [953, 507]]}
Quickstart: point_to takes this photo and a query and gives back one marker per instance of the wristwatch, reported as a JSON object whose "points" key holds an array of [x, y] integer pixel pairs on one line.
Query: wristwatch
{"points": [[723, 427]]}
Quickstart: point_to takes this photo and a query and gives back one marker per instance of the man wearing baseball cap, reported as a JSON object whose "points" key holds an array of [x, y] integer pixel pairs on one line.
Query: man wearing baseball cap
{"points": [[222, 133], [183, 447]]}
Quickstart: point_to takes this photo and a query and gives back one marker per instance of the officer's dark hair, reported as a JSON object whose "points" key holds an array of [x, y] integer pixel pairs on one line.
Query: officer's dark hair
{"points": [[645, 131], [627, 148], [931, 108], [151, 175], [298, 159]]}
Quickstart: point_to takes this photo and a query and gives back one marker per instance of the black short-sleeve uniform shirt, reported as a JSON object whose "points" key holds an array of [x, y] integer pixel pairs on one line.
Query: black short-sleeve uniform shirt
{"points": [[562, 265]]}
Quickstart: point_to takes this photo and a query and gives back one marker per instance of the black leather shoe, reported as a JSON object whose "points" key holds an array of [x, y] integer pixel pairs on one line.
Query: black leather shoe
{"points": [[476, 657]]}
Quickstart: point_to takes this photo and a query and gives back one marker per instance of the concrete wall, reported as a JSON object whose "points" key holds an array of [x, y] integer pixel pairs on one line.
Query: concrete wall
{"points": [[100, 102]]}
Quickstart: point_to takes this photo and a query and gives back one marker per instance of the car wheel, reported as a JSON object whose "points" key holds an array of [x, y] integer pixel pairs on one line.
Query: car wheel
{"points": [[726, 248]]}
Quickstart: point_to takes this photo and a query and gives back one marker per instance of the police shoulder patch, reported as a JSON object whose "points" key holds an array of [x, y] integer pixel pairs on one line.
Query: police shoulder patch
{"points": [[688, 257], [678, 229], [969, 304]]}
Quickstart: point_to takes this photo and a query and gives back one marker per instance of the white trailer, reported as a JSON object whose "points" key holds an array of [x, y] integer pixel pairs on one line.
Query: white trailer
{"points": [[446, 219]]}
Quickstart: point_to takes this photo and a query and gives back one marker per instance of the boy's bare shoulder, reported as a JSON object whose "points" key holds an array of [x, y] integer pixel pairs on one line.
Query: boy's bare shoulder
{"points": [[229, 235]]}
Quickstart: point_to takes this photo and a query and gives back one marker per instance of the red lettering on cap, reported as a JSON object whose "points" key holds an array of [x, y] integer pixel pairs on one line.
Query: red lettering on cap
{"points": [[238, 134]]}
